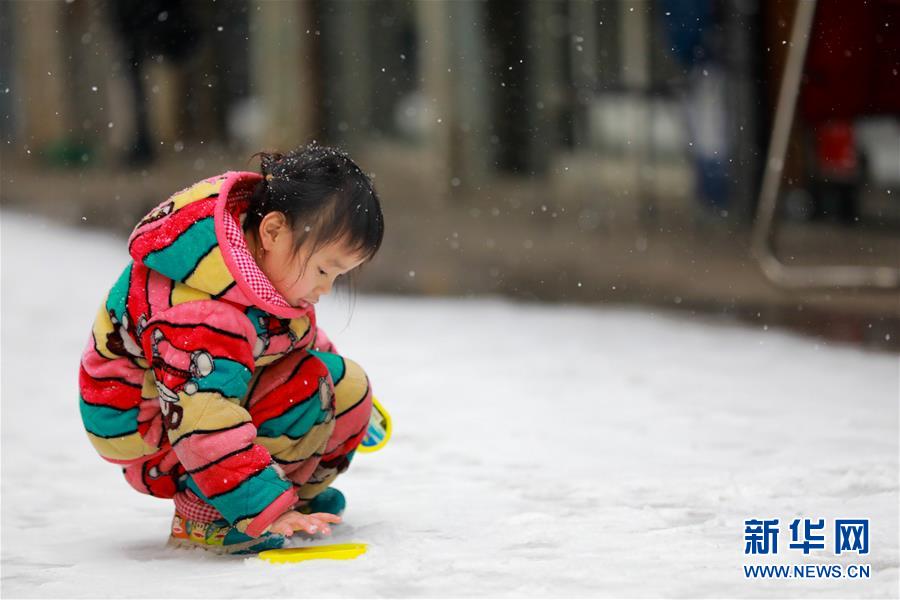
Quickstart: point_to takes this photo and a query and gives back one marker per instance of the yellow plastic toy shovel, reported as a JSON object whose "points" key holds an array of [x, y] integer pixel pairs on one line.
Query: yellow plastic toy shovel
{"points": [[333, 551]]}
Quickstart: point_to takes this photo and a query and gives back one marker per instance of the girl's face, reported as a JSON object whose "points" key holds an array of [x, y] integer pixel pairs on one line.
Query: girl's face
{"points": [[298, 276]]}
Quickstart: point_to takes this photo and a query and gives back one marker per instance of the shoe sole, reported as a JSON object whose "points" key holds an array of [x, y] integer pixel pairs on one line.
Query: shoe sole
{"points": [[175, 542]]}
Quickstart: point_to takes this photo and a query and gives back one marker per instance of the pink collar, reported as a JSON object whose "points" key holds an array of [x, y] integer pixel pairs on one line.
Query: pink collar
{"points": [[234, 196], [248, 267]]}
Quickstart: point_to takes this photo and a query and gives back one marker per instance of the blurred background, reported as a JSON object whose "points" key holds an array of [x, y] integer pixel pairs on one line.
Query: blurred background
{"points": [[545, 150]]}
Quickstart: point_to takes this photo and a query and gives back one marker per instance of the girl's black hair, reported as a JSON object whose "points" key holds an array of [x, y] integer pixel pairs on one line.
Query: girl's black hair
{"points": [[325, 197]]}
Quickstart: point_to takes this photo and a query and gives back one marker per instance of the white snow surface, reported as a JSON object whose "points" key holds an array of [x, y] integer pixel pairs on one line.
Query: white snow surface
{"points": [[538, 451]]}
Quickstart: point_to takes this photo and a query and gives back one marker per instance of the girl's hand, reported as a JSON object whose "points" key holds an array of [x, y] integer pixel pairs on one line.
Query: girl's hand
{"points": [[292, 521]]}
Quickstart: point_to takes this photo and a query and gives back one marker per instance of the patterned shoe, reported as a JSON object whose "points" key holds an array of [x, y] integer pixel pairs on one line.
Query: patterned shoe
{"points": [[219, 537], [330, 501]]}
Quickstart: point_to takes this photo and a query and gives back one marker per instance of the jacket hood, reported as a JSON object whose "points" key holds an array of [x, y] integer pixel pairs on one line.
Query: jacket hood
{"points": [[194, 238]]}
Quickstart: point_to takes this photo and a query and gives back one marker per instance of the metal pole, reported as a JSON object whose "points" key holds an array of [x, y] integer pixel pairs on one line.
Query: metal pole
{"points": [[764, 226]]}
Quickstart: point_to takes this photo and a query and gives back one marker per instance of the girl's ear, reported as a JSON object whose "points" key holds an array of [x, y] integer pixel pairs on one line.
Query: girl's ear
{"points": [[271, 227]]}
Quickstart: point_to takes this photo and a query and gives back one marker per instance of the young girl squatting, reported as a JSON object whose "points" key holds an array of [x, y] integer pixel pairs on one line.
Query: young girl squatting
{"points": [[205, 376]]}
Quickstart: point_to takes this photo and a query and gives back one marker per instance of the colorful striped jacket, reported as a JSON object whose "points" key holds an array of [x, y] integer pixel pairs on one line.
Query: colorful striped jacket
{"points": [[172, 352]]}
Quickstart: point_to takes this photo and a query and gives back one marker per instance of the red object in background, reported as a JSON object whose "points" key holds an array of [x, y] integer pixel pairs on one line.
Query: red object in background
{"points": [[853, 62], [836, 150]]}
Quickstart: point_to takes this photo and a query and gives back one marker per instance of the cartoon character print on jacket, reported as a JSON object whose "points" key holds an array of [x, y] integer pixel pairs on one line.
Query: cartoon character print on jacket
{"points": [[119, 341], [162, 474], [273, 335], [163, 210], [175, 379], [325, 393]]}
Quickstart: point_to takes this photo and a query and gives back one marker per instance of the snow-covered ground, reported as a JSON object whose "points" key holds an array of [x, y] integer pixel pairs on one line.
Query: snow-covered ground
{"points": [[538, 451]]}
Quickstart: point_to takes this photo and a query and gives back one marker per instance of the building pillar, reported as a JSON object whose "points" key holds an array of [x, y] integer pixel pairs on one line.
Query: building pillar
{"points": [[583, 57], [742, 22], [634, 19], [469, 150], [283, 47], [347, 71], [435, 74], [543, 67], [40, 72]]}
